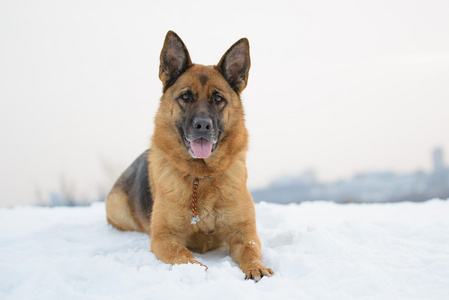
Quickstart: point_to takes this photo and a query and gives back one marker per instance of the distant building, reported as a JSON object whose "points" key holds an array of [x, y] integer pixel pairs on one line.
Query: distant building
{"points": [[372, 187], [438, 161], [439, 180]]}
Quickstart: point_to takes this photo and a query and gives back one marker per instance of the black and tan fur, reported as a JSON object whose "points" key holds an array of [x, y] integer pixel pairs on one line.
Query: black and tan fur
{"points": [[154, 195]]}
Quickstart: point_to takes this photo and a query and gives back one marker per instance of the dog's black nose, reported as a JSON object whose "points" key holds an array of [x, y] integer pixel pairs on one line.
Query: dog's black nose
{"points": [[202, 124]]}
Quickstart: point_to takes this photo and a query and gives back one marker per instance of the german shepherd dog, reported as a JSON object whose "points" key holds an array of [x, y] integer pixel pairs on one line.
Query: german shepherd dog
{"points": [[188, 191]]}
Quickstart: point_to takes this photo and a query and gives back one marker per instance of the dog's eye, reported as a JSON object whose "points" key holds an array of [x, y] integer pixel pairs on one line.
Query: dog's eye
{"points": [[218, 99], [186, 97]]}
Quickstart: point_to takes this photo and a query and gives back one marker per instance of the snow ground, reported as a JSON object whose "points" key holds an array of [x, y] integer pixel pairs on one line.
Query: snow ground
{"points": [[319, 250]]}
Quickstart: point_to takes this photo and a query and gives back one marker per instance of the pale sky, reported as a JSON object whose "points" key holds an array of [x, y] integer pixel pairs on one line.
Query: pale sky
{"points": [[341, 87]]}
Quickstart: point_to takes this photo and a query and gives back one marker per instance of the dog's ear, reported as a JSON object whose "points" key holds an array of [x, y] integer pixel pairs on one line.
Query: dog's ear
{"points": [[175, 59], [235, 64]]}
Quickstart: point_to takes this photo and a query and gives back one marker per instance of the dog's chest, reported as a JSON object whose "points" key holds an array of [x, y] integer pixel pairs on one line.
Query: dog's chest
{"points": [[207, 220], [208, 233], [208, 213]]}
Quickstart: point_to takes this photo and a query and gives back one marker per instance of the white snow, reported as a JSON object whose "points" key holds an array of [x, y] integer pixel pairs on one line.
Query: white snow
{"points": [[319, 250]]}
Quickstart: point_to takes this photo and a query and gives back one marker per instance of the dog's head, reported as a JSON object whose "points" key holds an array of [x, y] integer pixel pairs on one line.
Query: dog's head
{"points": [[201, 109]]}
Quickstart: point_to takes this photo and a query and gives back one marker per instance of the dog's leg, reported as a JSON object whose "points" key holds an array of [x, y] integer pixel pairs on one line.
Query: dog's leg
{"points": [[118, 212], [245, 249], [170, 251]]}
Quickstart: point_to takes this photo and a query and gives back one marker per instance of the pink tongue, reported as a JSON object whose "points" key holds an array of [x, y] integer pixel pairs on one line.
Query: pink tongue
{"points": [[201, 147]]}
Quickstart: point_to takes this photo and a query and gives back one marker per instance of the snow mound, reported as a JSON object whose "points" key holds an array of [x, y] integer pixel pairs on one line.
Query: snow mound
{"points": [[319, 250]]}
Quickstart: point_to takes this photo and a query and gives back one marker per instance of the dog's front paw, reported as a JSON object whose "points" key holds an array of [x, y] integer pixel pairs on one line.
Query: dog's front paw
{"points": [[257, 273], [194, 261], [187, 260]]}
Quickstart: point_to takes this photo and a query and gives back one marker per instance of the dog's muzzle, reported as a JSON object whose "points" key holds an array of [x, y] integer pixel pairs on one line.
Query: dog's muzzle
{"points": [[201, 137]]}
